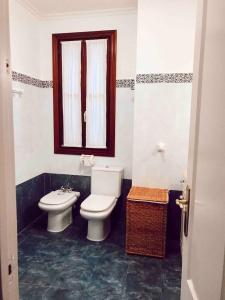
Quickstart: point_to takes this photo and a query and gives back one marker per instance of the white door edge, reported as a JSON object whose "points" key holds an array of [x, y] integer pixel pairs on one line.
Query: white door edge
{"points": [[192, 290], [203, 275]]}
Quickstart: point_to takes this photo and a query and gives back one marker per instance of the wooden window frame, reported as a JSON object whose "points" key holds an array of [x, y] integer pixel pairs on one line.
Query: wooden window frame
{"points": [[110, 35]]}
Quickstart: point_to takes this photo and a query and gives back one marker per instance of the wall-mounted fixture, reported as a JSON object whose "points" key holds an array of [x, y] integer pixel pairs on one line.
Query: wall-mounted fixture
{"points": [[17, 91], [161, 147], [87, 160]]}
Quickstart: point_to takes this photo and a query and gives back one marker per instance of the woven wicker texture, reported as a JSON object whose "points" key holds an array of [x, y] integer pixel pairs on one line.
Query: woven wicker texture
{"points": [[148, 194], [146, 220]]}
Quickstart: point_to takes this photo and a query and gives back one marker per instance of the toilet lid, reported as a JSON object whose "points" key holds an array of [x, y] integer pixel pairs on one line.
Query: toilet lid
{"points": [[97, 203], [57, 197]]}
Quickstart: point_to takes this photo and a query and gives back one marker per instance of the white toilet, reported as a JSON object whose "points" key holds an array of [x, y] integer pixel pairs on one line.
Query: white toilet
{"points": [[97, 208], [59, 204]]}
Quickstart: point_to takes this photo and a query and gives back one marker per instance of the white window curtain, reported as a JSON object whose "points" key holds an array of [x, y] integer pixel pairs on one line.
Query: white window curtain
{"points": [[96, 93], [71, 79]]}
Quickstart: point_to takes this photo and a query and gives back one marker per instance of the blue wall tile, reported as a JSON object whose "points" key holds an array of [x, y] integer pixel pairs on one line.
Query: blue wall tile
{"points": [[28, 195], [119, 213], [173, 222], [47, 183]]}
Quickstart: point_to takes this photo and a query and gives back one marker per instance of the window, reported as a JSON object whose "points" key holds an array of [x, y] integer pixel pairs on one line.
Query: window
{"points": [[84, 83]]}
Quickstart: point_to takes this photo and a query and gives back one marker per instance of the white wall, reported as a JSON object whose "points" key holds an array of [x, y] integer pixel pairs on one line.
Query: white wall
{"points": [[30, 123], [29, 111], [24, 40], [33, 113], [162, 114], [124, 23], [165, 36], [162, 110]]}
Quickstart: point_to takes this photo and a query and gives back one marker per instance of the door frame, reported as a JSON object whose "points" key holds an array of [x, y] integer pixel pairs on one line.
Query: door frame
{"points": [[8, 219]]}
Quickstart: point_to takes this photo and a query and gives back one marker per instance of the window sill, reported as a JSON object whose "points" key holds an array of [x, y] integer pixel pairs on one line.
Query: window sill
{"points": [[109, 152]]}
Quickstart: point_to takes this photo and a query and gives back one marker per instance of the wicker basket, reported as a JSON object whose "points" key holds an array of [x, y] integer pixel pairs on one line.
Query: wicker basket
{"points": [[146, 219]]}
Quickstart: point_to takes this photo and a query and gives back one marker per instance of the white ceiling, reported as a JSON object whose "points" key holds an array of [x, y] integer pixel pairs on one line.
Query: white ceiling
{"points": [[51, 7]]}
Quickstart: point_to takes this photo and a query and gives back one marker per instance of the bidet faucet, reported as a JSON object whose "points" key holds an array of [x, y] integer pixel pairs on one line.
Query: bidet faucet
{"points": [[66, 189]]}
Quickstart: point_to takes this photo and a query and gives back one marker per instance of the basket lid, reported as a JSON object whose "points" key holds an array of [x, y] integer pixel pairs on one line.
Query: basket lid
{"points": [[148, 194]]}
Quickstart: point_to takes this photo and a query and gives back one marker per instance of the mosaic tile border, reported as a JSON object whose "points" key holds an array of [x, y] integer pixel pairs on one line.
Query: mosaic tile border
{"points": [[120, 83], [125, 83], [16, 76], [164, 78], [31, 80]]}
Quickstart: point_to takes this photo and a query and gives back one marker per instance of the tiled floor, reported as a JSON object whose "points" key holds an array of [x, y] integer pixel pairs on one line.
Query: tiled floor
{"points": [[66, 266]]}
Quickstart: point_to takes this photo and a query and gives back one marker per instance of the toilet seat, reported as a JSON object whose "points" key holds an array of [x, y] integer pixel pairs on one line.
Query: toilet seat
{"points": [[98, 203], [58, 198]]}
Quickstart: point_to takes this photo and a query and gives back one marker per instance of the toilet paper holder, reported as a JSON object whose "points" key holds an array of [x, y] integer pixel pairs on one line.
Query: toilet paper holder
{"points": [[87, 160]]}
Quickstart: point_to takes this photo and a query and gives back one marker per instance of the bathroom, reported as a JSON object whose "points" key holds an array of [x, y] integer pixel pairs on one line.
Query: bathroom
{"points": [[154, 46]]}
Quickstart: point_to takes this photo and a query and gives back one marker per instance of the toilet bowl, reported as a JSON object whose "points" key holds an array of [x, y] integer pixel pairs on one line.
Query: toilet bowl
{"points": [[58, 204], [97, 208]]}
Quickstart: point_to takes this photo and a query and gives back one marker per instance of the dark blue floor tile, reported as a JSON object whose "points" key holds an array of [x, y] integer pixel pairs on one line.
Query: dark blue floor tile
{"points": [[171, 293], [73, 275], [137, 284], [104, 288], [151, 294], [171, 278], [57, 293], [171, 270], [68, 266], [146, 271], [32, 292], [37, 276]]}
